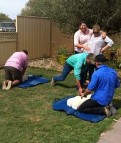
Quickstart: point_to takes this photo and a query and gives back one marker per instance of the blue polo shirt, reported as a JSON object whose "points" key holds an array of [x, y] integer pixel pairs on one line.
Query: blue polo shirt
{"points": [[77, 61], [103, 83]]}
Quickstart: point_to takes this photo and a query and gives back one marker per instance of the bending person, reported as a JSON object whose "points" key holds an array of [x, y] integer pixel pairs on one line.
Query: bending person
{"points": [[15, 68], [77, 63]]}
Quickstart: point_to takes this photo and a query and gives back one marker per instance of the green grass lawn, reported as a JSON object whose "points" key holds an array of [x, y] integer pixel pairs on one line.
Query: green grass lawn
{"points": [[26, 115]]}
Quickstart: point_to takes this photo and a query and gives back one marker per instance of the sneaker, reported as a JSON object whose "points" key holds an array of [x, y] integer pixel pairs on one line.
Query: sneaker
{"points": [[9, 85], [3, 85], [53, 82], [113, 110], [107, 111]]}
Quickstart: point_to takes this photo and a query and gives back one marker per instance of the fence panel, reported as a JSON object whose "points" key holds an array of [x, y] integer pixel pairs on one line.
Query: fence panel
{"points": [[59, 39], [7, 45], [41, 37], [34, 35]]}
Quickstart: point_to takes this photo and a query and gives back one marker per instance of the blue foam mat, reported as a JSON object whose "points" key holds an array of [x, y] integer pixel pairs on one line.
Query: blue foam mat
{"points": [[61, 105], [33, 81]]}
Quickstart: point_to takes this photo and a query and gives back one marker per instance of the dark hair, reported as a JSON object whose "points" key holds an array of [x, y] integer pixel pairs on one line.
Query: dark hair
{"points": [[82, 21], [100, 58], [25, 51]]}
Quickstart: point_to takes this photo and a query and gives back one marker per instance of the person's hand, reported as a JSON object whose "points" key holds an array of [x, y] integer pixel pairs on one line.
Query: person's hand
{"points": [[86, 48], [82, 95], [102, 50]]}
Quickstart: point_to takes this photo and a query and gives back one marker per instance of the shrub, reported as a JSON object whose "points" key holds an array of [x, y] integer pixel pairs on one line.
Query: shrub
{"points": [[62, 54]]}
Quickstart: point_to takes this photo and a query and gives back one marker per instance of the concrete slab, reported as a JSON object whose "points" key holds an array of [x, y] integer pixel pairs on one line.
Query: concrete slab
{"points": [[113, 135]]}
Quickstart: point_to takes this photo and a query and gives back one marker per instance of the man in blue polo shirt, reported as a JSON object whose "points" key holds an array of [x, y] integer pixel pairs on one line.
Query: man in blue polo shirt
{"points": [[103, 83], [77, 63]]}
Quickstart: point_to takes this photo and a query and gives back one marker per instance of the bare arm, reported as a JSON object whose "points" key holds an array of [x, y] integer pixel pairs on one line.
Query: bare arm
{"points": [[85, 47], [24, 70], [86, 92], [109, 44], [79, 87], [104, 48]]}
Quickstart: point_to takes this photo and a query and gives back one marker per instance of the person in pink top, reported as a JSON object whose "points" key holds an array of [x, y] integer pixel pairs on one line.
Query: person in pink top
{"points": [[15, 68], [81, 37]]}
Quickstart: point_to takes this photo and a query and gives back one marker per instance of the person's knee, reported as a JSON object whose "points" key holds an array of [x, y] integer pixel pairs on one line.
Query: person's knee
{"points": [[16, 82], [81, 109], [62, 78]]}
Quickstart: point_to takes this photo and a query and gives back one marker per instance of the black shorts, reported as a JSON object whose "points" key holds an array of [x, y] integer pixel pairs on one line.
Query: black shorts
{"points": [[12, 73]]}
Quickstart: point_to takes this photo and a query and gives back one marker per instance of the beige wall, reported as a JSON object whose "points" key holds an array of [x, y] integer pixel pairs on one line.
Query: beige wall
{"points": [[7, 45], [40, 37], [34, 35], [60, 40]]}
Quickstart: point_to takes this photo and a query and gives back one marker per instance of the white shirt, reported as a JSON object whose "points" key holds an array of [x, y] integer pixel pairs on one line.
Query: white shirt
{"points": [[97, 43], [81, 38]]}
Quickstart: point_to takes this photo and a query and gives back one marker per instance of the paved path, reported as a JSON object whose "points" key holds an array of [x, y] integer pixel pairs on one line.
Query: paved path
{"points": [[113, 135]]}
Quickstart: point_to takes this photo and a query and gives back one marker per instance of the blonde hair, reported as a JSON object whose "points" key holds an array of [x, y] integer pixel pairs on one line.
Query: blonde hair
{"points": [[96, 28], [91, 57]]}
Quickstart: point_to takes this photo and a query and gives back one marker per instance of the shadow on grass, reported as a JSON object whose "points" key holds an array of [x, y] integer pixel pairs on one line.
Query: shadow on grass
{"points": [[117, 103], [40, 75], [65, 86]]}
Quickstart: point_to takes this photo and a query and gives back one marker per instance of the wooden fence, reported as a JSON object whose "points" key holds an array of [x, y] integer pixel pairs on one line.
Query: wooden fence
{"points": [[40, 37], [8, 45]]}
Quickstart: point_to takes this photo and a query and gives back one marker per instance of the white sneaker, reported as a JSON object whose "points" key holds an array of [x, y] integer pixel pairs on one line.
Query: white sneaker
{"points": [[107, 111], [112, 109], [53, 82], [9, 85], [3, 85]]}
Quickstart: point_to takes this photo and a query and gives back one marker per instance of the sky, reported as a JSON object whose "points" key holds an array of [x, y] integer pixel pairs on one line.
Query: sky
{"points": [[12, 8]]}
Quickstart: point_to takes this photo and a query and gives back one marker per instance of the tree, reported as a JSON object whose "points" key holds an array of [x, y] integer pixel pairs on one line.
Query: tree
{"points": [[34, 8], [67, 13], [4, 17]]}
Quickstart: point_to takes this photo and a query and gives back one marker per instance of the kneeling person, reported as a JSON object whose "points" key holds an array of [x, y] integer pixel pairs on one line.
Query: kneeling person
{"points": [[103, 83], [15, 68]]}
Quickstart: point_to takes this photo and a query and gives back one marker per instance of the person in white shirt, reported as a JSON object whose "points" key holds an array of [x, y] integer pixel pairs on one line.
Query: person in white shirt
{"points": [[81, 37], [97, 44]]}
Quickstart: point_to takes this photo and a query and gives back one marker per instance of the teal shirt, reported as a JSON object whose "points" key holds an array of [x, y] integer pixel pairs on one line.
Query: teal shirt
{"points": [[77, 61]]}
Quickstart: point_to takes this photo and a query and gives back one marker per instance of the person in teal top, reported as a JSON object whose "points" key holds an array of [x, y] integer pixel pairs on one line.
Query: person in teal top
{"points": [[77, 63]]}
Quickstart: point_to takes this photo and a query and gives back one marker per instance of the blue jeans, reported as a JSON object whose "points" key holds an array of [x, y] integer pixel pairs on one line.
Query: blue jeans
{"points": [[66, 70]]}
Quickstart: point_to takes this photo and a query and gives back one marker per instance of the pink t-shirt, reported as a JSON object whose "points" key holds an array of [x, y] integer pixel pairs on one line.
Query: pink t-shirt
{"points": [[18, 60], [82, 38]]}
